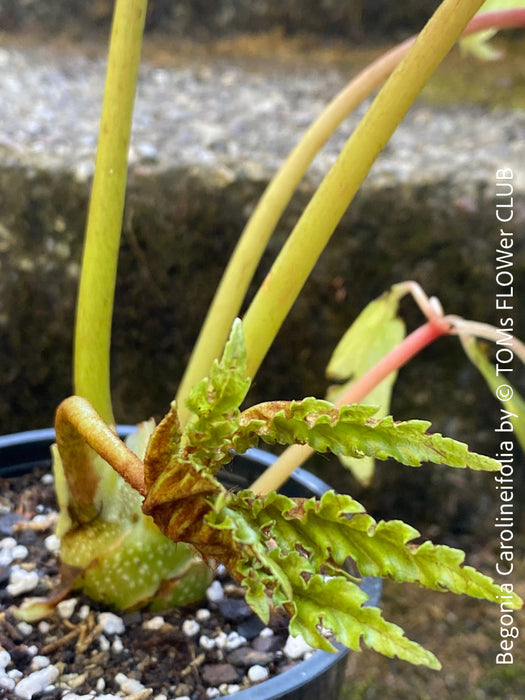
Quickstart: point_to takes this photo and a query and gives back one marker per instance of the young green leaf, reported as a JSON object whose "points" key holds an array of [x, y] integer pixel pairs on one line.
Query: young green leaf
{"points": [[515, 403], [351, 430], [478, 43], [375, 332]]}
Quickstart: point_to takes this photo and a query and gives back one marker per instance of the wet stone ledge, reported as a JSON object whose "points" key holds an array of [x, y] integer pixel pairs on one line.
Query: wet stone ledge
{"points": [[207, 138]]}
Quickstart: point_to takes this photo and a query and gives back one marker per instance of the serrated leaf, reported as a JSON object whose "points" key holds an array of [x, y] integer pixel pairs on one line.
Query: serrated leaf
{"points": [[343, 612], [375, 332], [282, 549], [336, 527], [225, 387], [351, 430]]}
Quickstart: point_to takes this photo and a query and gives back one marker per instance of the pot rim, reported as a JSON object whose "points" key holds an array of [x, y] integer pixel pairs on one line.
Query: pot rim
{"points": [[278, 686]]}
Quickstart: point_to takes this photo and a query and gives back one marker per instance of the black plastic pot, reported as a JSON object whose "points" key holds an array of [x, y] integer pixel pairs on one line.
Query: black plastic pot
{"points": [[319, 676]]}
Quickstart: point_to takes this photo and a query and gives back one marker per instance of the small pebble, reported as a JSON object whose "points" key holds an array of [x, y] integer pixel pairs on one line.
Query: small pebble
{"points": [[234, 641], [44, 626], [215, 592], [222, 571], [5, 659], [203, 614], [66, 607], [296, 647], [147, 151], [213, 693], [52, 544], [221, 640], [21, 581], [36, 682], [233, 688], [39, 662], [6, 683], [129, 685], [111, 623], [19, 552], [117, 647], [206, 643], [6, 557], [155, 623], [8, 543], [24, 628], [84, 612], [257, 673], [191, 628], [47, 479]]}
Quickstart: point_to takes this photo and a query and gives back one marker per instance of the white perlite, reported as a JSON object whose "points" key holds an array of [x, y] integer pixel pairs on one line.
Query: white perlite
{"points": [[154, 624], [215, 592], [111, 623], [258, 673], [21, 581], [206, 642], [66, 608], [5, 658], [6, 683], [38, 662], [52, 544], [24, 628], [235, 640], [191, 628], [203, 614], [129, 685], [295, 648], [36, 682]]}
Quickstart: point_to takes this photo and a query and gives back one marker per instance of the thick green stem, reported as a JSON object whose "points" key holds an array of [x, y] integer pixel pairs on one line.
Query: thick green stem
{"points": [[99, 264], [254, 238], [241, 267], [320, 218]]}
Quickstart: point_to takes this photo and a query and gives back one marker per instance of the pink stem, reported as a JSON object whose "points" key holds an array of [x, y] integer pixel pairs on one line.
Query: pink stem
{"points": [[396, 358], [501, 19]]}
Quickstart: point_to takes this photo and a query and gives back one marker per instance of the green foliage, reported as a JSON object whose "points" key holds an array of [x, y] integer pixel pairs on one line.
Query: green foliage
{"points": [[514, 404], [293, 552], [113, 551], [478, 43], [375, 332]]}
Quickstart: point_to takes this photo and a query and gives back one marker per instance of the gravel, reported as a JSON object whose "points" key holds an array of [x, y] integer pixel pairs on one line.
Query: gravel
{"points": [[85, 652], [221, 116]]}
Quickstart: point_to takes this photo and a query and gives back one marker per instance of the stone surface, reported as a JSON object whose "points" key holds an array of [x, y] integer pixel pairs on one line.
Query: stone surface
{"points": [[198, 18], [207, 139]]}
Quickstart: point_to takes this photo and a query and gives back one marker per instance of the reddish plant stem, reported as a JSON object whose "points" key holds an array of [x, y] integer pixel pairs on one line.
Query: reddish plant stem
{"points": [[81, 432], [295, 455], [500, 19], [396, 358]]}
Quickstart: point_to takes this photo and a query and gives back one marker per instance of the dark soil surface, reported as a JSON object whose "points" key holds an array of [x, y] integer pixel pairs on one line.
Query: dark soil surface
{"points": [[463, 633], [153, 654]]}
